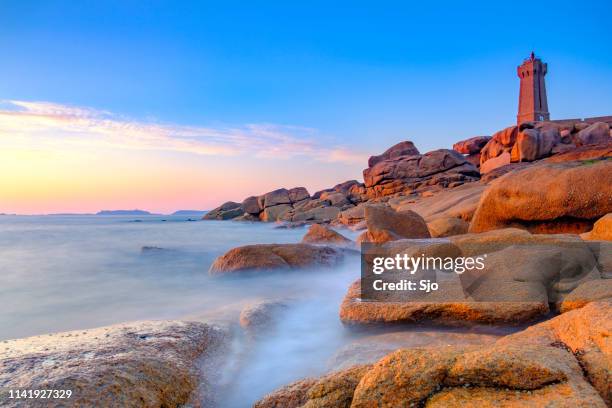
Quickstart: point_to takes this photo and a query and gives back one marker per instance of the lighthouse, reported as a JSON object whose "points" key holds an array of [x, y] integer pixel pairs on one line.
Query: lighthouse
{"points": [[533, 104]]}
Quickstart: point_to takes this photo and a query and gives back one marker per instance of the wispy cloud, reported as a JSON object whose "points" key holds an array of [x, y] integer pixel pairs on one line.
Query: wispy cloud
{"points": [[51, 123]]}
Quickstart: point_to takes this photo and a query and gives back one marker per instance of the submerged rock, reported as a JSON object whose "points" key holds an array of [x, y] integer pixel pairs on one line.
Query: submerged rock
{"points": [[258, 317], [149, 363], [262, 257]]}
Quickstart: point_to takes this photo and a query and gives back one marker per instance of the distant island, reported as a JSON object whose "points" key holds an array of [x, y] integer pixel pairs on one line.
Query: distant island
{"points": [[189, 212], [124, 212]]}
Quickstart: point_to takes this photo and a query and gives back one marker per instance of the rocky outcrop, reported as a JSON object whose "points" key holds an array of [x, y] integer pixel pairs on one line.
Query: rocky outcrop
{"points": [[537, 140], [533, 144], [385, 224], [267, 257], [602, 229], [225, 211], [294, 205], [151, 363], [472, 145], [486, 376], [551, 197], [405, 148], [564, 362], [319, 234], [409, 173]]}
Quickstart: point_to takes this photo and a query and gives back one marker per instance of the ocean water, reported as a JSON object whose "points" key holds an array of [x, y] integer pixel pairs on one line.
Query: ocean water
{"points": [[61, 273]]}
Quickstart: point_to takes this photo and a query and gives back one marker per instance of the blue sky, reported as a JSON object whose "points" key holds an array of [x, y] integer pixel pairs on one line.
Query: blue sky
{"points": [[359, 75]]}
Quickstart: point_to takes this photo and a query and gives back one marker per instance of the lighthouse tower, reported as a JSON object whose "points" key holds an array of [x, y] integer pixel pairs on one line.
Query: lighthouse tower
{"points": [[533, 104]]}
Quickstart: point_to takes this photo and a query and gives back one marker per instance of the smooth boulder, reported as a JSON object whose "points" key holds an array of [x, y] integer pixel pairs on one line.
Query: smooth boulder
{"points": [[405, 148], [266, 257], [594, 134], [550, 197]]}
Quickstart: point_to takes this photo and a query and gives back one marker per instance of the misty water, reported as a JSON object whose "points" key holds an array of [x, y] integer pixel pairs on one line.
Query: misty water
{"points": [[61, 273]]}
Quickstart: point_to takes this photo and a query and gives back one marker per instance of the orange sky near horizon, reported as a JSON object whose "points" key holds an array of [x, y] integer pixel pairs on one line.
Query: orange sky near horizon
{"points": [[74, 162]]}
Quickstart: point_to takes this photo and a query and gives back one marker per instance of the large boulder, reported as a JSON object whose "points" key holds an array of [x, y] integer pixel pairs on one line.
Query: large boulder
{"points": [[276, 197], [225, 211], [251, 205], [532, 144], [594, 134], [298, 194], [550, 197], [472, 145], [275, 212], [404, 174], [521, 275], [319, 234], [266, 257], [149, 363], [405, 148]]}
